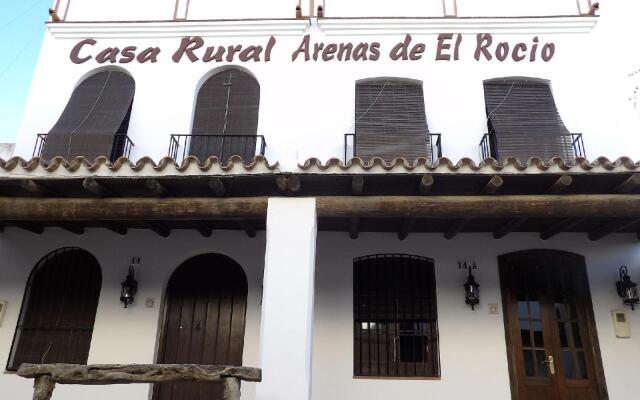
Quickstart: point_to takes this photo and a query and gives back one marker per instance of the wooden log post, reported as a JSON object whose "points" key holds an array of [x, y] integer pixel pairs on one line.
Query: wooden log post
{"points": [[231, 389], [43, 387], [426, 184]]}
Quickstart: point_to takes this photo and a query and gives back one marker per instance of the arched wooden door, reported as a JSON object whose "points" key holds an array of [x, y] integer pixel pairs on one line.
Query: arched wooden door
{"points": [[203, 322], [552, 343]]}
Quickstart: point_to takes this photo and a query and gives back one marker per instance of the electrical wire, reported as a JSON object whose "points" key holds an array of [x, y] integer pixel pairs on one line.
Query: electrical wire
{"points": [[19, 54], [22, 14]]}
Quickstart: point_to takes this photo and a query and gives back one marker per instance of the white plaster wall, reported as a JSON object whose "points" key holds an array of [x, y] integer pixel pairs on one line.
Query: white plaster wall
{"points": [[123, 335], [472, 345], [307, 107]]}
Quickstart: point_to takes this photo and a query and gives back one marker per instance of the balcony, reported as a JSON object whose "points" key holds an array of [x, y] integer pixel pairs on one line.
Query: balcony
{"points": [[221, 146], [121, 147], [568, 147], [432, 149]]}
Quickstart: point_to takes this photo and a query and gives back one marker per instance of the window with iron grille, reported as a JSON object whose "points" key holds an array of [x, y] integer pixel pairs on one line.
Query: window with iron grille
{"points": [[395, 316], [58, 310]]}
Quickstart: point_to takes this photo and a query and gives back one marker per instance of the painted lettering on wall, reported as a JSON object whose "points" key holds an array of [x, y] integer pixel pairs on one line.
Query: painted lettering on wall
{"points": [[446, 47]]}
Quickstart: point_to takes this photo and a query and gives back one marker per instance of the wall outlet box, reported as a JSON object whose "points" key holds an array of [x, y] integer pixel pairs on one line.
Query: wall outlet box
{"points": [[621, 324], [494, 309], [149, 302], [3, 307]]}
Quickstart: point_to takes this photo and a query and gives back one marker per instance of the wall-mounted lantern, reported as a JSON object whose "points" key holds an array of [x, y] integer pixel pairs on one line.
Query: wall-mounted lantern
{"points": [[130, 285], [471, 287], [627, 289]]}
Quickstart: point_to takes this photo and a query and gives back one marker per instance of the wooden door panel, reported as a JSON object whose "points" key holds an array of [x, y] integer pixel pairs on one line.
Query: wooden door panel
{"points": [[556, 283], [204, 321]]}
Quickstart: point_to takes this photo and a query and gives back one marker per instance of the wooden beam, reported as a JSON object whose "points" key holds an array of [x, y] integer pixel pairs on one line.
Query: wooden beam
{"points": [[405, 228], [629, 185], [97, 189], [37, 229], [354, 228], [115, 227], [217, 186], [288, 184], [248, 228], [357, 185], [157, 188], [507, 206], [35, 188], [159, 228], [110, 374], [559, 227], [131, 209], [560, 185], [207, 208], [508, 227], [204, 229], [613, 226], [494, 184], [455, 228], [70, 227], [426, 184]]}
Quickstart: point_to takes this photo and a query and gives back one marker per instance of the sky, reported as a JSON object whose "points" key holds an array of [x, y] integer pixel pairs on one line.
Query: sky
{"points": [[21, 33]]}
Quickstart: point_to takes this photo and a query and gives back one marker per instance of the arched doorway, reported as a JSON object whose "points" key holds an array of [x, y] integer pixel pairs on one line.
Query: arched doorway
{"points": [[58, 310], [203, 322]]}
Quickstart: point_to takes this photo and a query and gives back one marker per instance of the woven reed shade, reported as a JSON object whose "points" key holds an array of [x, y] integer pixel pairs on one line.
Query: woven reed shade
{"points": [[523, 115]]}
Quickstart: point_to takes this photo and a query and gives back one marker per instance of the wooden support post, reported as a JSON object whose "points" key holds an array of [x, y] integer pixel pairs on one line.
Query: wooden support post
{"points": [[508, 227], [354, 225], [560, 185], [357, 185], [115, 227], [43, 387], [204, 229], [94, 187], [157, 188], [217, 186], [70, 227], [629, 185], [425, 185], [159, 228], [35, 188], [405, 228], [561, 226], [455, 228], [610, 227], [248, 228], [231, 389], [494, 184], [288, 184]]}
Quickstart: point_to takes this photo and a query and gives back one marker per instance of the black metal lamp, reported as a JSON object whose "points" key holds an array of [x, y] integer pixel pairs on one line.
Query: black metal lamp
{"points": [[471, 287], [627, 289], [130, 285]]}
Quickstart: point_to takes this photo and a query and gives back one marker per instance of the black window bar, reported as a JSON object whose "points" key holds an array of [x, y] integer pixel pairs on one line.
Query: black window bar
{"points": [[221, 146], [489, 146], [434, 150], [395, 316], [122, 146]]}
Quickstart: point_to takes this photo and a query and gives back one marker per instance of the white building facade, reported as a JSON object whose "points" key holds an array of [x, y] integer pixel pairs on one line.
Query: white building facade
{"points": [[329, 251]]}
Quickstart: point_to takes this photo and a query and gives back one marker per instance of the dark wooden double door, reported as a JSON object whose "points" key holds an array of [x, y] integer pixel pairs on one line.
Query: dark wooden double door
{"points": [[550, 331], [203, 322]]}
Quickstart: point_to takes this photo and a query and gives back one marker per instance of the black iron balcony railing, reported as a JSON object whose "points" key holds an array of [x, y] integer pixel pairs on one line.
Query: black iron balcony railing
{"points": [[571, 146], [434, 146], [121, 147], [221, 146]]}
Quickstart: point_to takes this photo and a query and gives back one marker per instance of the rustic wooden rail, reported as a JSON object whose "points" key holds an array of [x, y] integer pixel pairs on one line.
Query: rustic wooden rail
{"points": [[47, 375]]}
